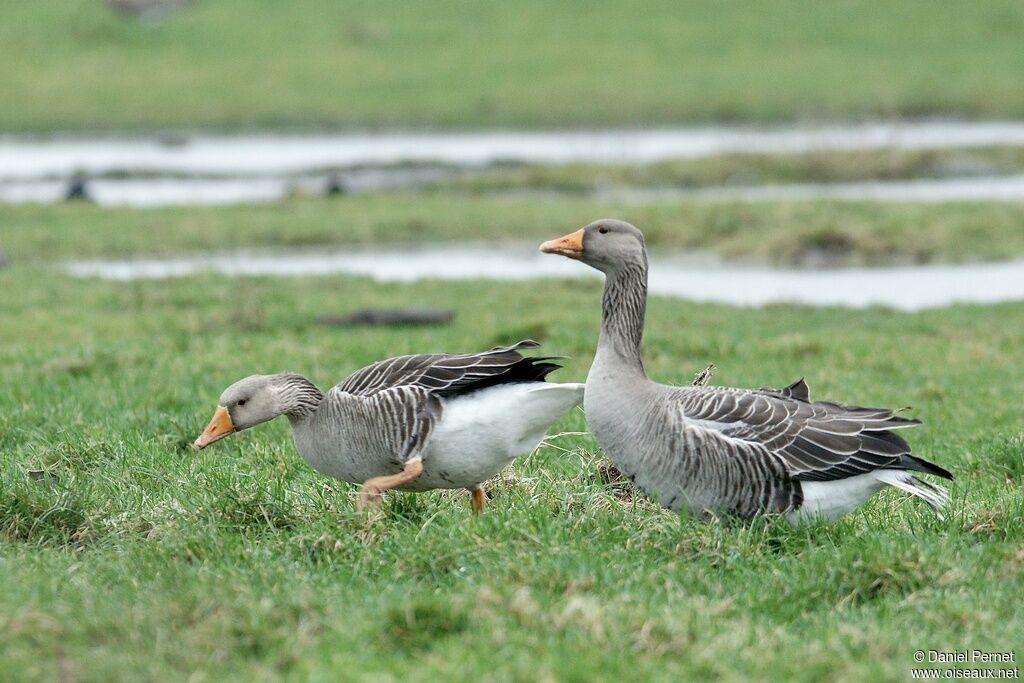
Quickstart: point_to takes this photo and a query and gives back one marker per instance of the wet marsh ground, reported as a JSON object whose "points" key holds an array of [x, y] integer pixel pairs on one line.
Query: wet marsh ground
{"points": [[782, 233], [750, 170]]}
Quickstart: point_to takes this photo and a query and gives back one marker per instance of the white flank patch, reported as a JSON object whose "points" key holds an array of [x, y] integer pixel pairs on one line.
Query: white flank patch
{"points": [[481, 432], [830, 500]]}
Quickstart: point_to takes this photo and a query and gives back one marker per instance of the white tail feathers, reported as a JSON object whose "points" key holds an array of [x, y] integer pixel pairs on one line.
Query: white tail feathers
{"points": [[936, 496], [570, 387]]}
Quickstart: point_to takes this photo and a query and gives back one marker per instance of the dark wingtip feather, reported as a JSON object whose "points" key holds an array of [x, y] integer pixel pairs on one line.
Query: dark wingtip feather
{"points": [[520, 369], [911, 462], [799, 390], [544, 369]]}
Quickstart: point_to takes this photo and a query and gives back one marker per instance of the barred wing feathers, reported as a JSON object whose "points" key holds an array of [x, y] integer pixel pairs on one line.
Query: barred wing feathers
{"points": [[394, 404], [817, 441], [446, 374]]}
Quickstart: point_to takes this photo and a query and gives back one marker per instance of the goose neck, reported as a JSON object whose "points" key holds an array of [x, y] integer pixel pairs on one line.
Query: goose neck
{"points": [[299, 398], [623, 309]]}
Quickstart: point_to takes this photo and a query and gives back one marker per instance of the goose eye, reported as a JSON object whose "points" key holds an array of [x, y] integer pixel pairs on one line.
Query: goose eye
{"points": [[603, 230], [242, 402]]}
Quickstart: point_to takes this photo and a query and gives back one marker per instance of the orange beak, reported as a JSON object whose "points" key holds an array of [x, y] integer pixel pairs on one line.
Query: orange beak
{"points": [[219, 427], [571, 245]]}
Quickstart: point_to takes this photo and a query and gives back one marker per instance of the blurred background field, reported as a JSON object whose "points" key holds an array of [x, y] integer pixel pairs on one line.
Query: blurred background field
{"points": [[126, 556], [234, 64]]}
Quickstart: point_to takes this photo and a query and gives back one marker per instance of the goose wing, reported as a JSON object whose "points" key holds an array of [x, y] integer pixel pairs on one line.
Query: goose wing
{"points": [[446, 374], [817, 441], [393, 406]]}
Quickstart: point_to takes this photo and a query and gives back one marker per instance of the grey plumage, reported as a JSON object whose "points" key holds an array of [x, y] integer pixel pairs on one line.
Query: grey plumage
{"points": [[447, 374], [741, 452], [817, 441], [300, 396], [396, 402], [385, 419]]}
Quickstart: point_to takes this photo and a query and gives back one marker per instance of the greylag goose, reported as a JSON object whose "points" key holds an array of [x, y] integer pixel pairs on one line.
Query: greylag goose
{"points": [[415, 423], [738, 452]]}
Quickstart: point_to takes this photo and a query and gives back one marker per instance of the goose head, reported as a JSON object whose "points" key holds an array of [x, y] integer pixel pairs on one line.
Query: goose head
{"points": [[607, 245], [247, 403]]}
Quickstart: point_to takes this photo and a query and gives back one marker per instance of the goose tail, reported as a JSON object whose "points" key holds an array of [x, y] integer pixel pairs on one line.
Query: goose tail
{"points": [[936, 496]]}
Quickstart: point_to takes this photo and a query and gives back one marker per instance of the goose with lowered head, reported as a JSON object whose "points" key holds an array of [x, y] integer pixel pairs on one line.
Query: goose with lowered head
{"points": [[414, 423], [738, 452]]}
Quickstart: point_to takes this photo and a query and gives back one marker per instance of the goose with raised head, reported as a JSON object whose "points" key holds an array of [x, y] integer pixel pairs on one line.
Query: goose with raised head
{"points": [[737, 452], [414, 423]]}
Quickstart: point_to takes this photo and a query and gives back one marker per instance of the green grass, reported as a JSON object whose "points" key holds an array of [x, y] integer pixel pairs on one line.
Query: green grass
{"points": [[855, 233], [312, 63], [135, 558]]}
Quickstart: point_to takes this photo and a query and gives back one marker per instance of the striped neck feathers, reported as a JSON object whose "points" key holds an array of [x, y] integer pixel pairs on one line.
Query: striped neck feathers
{"points": [[297, 397], [622, 311]]}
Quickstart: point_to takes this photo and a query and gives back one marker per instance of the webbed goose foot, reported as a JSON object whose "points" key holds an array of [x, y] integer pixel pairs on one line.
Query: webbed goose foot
{"points": [[374, 487]]}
